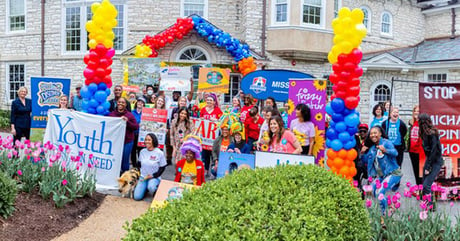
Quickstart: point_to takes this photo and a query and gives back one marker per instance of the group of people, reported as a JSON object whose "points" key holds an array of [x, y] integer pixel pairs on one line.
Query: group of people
{"points": [[381, 150]]}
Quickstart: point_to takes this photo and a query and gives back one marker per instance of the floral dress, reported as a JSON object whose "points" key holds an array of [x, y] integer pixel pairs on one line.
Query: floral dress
{"points": [[177, 136]]}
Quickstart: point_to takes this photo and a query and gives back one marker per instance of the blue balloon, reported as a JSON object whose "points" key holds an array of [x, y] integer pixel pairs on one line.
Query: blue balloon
{"points": [[340, 126], [91, 110], [350, 144], [331, 124], [107, 91], [337, 117], [352, 130], [347, 111], [337, 105], [331, 133], [100, 96], [328, 143], [85, 93], [344, 137], [93, 103], [352, 120], [102, 86], [329, 109], [106, 105], [84, 104], [336, 145], [211, 39], [92, 88], [100, 109]]}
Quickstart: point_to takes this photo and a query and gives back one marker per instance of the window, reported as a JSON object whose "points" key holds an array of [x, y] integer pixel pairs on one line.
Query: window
{"points": [[234, 88], [387, 23], [336, 8], [281, 11], [312, 12], [16, 15], [76, 37], [437, 77], [193, 54], [198, 7], [381, 93], [329, 90], [16, 78], [367, 18]]}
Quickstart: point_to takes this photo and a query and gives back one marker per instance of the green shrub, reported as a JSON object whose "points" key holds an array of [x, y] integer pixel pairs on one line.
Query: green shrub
{"points": [[5, 119], [8, 192], [283, 203]]}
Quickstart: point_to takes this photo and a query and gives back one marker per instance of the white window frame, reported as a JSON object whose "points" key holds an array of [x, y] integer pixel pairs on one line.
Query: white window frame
{"points": [[205, 52], [232, 76], [7, 71], [8, 30], [339, 6], [84, 5], [322, 16], [205, 9], [288, 14], [369, 18], [390, 34], [438, 71]]}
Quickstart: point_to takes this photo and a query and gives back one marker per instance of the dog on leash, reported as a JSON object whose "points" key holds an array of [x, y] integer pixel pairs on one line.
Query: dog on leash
{"points": [[127, 182]]}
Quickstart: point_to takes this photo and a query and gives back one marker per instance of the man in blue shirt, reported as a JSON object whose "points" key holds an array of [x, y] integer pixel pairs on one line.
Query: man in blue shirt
{"points": [[76, 100]]}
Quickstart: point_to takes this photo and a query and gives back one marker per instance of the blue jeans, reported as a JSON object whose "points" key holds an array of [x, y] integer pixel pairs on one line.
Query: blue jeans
{"points": [[142, 185], [125, 159], [392, 181], [429, 179]]}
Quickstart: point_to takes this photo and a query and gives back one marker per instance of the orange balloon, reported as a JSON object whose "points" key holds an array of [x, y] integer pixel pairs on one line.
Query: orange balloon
{"points": [[330, 162], [331, 153], [352, 154], [353, 171], [343, 154], [338, 162], [334, 170], [348, 163], [344, 171]]}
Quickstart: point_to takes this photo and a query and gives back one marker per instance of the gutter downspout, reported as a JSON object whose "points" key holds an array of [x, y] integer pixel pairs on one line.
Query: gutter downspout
{"points": [[42, 35], [452, 34], [264, 23]]}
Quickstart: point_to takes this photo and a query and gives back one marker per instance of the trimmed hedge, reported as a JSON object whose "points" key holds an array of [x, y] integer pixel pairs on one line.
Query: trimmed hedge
{"points": [[283, 203], [8, 192]]}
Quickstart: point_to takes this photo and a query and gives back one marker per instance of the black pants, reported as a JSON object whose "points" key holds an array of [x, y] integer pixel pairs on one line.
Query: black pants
{"points": [[429, 179], [206, 157], [399, 158], [305, 150], [135, 152], [415, 159], [21, 132]]}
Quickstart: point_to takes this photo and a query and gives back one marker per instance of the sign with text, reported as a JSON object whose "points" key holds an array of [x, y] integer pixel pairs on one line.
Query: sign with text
{"points": [[207, 130], [143, 71], [311, 92], [214, 80], [231, 161], [175, 79], [99, 136], [45, 92], [262, 84], [272, 159], [168, 191], [442, 102], [153, 121]]}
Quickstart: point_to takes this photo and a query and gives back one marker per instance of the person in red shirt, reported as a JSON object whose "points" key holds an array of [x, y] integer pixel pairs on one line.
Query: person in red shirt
{"points": [[415, 144], [248, 104], [252, 126], [210, 112]]}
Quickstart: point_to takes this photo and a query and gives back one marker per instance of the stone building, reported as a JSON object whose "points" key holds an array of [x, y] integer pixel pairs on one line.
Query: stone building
{"points": [[49, 38]]}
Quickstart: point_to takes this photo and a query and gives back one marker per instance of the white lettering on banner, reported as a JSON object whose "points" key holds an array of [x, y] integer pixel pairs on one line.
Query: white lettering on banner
{"points": [[99, 136], [312, 100], [449, 134], [439, 92], [446, 120], [280, 84], [448, 149]]}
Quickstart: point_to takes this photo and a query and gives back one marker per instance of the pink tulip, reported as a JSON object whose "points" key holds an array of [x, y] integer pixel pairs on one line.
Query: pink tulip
{"points": [[27, 142], [90, 156], [451, 204], [423, 205], [80, 153], [443, 196], [61, 148], [378, 185], [43, 169], [15, 153], [90, 165], [455, 191], [398, 195], [381, 197], [420, 187], [408, 184], [28, 157], [368, 203], [355, 183], [397, 205], [389, 201], [423, 215], [394, 199], [10, 155], [19, 172], [407, 194], [370, 179], [385, 185], [64, 182], [418, 198], [367, 188]]}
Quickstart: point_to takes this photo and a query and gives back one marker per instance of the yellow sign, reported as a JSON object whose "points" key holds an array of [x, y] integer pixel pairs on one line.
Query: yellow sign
{"points": [[214, 80]]}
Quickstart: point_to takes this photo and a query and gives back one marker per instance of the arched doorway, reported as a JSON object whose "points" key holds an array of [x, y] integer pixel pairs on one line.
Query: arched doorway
{"points": [[380, 92]]}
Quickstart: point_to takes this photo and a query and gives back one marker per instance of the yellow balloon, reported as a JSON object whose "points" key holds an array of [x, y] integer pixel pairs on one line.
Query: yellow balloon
{"points": [[339, 28], [108, 43], [100, 38], [110, 35], [361, 30], [346, 22], [337, 39], [90, 27], [95, 7], [344, 12], [92, 44], [98, 20], [113, 23], [335, 22], [357, 15], [345, 47], [92, 36], [332, 58]]}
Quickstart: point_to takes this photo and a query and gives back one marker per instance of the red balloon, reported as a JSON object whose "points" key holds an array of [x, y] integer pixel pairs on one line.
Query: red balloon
{"points": [[110, 61], [104, 63], [86, 58], [351, 102], [337, 68], [93, 56], [107, 79], [354, 82], [358, 71], [342, 85], [334, 78], [87, 81], [356, 55], [344, 76], [342, 58], [349, 66], [341, 94], [92, 64], [100, 72], [108, 71], [353, 91], [88, 73], [333, 96], [101, 50], [96, 80]]}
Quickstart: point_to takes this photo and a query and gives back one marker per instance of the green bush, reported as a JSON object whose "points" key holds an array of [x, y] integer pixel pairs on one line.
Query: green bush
{"points": [[283, 203], [8, 192], [5, 119]]}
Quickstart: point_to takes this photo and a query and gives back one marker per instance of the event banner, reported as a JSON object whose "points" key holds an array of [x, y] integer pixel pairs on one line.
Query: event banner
{"points": [[143, 71], [175, 79], [168, 191], [442, 102], [214, 80], [272, 159], [45, 92], [311, 92], [231, 161], [99, 136], [262, 84], [153, 121], [207, 130]]}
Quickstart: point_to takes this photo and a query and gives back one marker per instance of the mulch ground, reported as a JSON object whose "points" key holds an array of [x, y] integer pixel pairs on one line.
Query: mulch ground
{"points": [[38, 219]]}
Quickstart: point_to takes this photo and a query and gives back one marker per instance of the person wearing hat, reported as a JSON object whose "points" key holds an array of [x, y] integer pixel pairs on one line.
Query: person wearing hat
{"points": [[77, 99], [137, 112], [361, 166], [238, 145], [190, 170]]}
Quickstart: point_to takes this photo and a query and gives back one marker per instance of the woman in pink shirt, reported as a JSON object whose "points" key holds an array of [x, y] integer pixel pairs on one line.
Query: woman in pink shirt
{"points": [[303, 128], [282, 140]]}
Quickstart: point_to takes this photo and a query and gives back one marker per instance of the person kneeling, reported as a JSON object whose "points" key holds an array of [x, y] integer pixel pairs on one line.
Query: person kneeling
{"points": [[190, 170], [153, 163]]}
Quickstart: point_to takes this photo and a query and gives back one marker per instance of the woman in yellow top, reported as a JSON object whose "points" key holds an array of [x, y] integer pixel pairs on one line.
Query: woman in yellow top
{"points": [[190, 170]]}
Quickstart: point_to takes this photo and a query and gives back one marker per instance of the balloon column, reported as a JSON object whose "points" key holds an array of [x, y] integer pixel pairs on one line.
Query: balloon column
{"points": [[344, 57], [99, 59], [239, 51]]}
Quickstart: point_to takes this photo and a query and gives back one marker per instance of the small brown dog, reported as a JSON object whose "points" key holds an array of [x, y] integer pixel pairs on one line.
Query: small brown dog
{"points": [[127, 182]]}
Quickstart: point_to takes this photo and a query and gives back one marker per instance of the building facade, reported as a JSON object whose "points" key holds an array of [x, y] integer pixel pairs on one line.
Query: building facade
{"points": [[49, 38]]}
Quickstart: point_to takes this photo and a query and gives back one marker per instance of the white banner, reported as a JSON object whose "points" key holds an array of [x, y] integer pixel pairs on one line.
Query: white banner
{"points": [[175, 79], [101, 136], [272, 159]]}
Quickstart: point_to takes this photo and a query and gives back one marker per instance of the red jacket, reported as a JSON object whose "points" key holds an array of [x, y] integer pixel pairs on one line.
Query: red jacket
{"points": [[199, 171], [252, 128]]}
